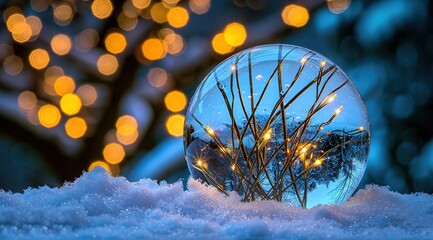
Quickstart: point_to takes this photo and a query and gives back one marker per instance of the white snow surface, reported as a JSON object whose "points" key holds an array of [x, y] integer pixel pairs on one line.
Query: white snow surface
{"points": [[98, 205]]}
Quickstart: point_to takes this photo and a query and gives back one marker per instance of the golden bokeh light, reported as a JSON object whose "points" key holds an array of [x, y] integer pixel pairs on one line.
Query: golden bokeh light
{"points": [[113, 153], [157, 77], [220, 45], [153, 49], [18, 26], [13, 65], [127, 139], [102, 164], [295, 15], [27, 100], [86, 40], [175, 101], [13, 22], [338, 6], [76, 127], [126, 23], [126, 129], [64, 85], [63, 13], [102, 8], [70, 104], [199, 6], [61, 44], [170, 3], [115, 42], [107, 64], [39, 58], [159, 13], [173, 43], [141, 4], [178, 17], [126, 120], [174, 125], [49, 116], [87, 94], [235, 34]]}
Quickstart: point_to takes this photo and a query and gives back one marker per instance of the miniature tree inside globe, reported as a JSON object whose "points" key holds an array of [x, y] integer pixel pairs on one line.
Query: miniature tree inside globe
{"points": [[278, 122]]}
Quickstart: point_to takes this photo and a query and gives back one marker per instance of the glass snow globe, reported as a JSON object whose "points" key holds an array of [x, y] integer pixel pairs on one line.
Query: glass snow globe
{"points": [[278, 122]]}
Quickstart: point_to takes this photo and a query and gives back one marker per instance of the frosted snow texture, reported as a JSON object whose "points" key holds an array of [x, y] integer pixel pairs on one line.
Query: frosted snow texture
{"points": [[101, 206]]}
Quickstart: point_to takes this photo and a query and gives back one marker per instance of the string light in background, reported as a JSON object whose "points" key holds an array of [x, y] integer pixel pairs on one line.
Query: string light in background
{"points": [[199, 6], [39, 58], [70, 104], [235, 34], [174, 125], [115, 42], [107, 64], [102, 8], [295, 15], [76, 127], [113, 153], [49, 116], [61, 44], [153, 49], [220, 45], [175, 101]]}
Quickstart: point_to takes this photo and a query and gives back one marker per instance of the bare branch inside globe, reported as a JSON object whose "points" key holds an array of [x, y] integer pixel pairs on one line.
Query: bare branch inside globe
{"points": [[278, 122]]}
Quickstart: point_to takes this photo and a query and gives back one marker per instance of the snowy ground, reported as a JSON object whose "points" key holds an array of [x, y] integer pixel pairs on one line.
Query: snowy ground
{"points": [[99, 206]]}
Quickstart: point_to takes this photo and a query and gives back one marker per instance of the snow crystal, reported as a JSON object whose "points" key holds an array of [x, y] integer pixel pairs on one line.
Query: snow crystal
{"points": [[97, 205]]}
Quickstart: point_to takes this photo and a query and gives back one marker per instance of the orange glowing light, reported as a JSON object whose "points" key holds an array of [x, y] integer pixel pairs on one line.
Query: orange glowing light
{"points": [[64, 85], [39, 58], [178, 17], [126, 120], [107, 64], [199, 6], [61, 44], [113, 153], [153, 49], [115, 42], [102, 8], [175, 101], [295, 15], [76, 127], [13, 65], [22, 32], [220, 45], [159, 13], [235, 34], [87, 94], [13, 22], [174, 125], [126, 129], [27, 100], [102, 164], [70, 104], [49, 116], [141, 4]]}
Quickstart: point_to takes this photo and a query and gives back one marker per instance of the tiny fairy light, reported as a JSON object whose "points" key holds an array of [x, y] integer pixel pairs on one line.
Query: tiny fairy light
{"points": [[285, 137]]}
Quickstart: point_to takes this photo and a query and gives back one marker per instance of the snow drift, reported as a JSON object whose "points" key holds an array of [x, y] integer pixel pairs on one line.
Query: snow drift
{"points": [[101, 206]]}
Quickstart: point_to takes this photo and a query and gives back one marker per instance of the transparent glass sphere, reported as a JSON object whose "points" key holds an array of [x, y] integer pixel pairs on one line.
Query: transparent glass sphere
{"points": [[278, 122]]}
